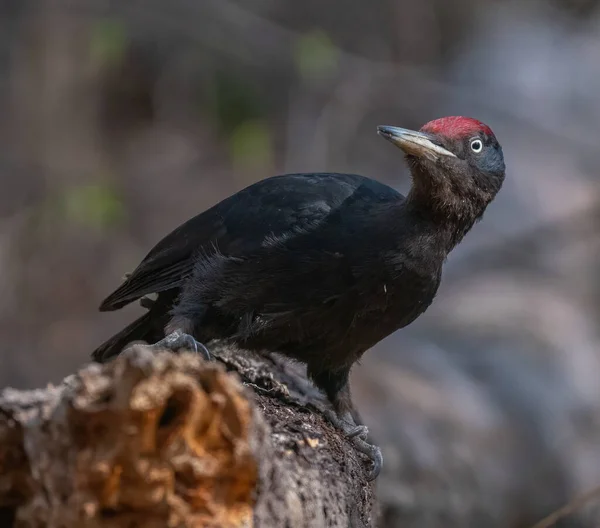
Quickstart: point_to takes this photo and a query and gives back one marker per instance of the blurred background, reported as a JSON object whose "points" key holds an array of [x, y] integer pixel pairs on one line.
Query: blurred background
{"points": [[121, 119]]}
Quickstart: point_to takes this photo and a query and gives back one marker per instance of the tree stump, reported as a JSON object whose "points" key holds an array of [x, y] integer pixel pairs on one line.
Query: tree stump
{"points": [[167, 440]]}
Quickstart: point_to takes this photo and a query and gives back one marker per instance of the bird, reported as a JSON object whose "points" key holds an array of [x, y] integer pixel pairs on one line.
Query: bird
{"points": [[318, 267]]}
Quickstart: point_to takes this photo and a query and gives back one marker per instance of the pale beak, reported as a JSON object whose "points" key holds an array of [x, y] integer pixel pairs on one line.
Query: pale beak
{"points": [[414, 143]]}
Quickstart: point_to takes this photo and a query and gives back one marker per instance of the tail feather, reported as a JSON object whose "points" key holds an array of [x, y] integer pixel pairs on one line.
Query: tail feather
{"points": [[141, 329]]}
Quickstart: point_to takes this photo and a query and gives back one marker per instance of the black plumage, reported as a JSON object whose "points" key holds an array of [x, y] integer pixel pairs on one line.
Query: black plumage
{"points": [[319, 267]]}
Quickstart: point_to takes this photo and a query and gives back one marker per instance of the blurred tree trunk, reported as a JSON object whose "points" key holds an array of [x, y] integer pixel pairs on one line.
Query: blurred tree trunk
{"points": [[169, 440]]}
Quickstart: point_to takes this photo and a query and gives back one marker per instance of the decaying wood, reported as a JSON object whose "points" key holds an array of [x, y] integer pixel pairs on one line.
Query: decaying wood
{"points": [[155, 440]]}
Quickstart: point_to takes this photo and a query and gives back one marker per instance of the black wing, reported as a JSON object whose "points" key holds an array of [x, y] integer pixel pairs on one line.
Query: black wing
{"points": [[274, 207]]}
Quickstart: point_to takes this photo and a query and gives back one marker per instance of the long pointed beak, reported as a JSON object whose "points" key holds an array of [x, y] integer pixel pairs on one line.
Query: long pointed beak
{"points": [[414, 143]]}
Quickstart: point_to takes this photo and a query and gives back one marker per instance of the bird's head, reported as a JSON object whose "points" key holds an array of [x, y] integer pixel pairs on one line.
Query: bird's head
{"points": [[456, 163]]}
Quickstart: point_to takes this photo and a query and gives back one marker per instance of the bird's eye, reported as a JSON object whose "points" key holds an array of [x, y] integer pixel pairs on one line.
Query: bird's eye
{"points": [[476, 145]]}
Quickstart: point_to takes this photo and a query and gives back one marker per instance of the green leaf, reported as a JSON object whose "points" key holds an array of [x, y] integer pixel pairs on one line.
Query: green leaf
{"points": [[96, 206], [108, 42], [251, 145], [316, 55], [234, 101]]}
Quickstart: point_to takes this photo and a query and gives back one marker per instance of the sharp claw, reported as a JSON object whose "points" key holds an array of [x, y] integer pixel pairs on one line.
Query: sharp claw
{"points": [[374, 454], [204, 352], [360, 431], [198, 347], [178, 340], [357, 434], [377, 459]]}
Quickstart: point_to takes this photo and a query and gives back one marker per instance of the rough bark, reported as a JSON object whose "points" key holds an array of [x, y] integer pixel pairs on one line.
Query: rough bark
{"points": [[159, 440]]}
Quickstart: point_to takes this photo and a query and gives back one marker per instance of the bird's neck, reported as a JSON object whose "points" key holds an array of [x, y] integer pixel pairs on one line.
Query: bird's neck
{"points": [[449, 214]]}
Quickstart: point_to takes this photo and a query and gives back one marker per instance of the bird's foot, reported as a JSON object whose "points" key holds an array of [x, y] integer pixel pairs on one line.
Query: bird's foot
{"points": [[178, 340], [357, 434]]}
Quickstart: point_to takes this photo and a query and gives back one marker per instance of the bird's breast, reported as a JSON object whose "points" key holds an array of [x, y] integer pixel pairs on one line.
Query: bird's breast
{"points": [[400, 298]]}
